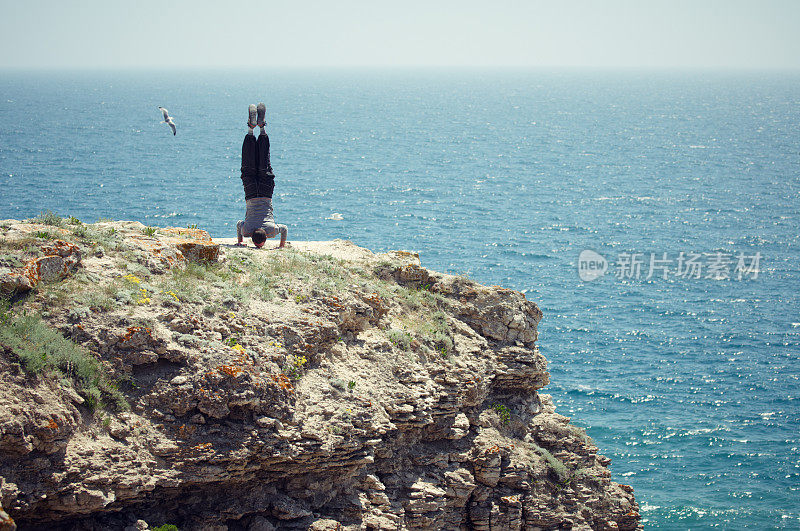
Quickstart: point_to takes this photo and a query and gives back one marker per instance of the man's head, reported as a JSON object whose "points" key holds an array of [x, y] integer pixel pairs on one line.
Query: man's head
{"points": [[259, 237]]}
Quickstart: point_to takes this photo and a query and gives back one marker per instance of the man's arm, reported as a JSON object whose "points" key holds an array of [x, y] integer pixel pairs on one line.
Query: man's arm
{"points": [[284, 232], [239, 233]]}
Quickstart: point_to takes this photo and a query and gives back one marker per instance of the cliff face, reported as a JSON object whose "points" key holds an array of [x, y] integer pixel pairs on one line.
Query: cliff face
{"points": [[319, 387]]}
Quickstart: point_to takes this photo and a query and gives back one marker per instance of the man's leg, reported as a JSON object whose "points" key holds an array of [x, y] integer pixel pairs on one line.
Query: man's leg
{"points": [[266, 179], [250, 166]]}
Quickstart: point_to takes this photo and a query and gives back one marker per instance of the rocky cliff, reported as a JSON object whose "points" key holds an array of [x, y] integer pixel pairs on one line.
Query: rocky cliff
{"points": [[154, 376]]}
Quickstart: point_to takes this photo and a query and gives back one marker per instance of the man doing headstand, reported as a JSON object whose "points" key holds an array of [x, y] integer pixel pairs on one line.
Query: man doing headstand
{"points": [[259, 182]]}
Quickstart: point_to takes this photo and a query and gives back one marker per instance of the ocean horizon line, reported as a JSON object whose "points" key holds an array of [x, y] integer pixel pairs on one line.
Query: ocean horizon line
{"points": [[409, 68]]}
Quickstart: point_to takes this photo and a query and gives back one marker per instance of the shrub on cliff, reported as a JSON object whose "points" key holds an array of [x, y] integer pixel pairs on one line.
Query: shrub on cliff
{"points": [[553, 462], [48, 218], [41, 349]]}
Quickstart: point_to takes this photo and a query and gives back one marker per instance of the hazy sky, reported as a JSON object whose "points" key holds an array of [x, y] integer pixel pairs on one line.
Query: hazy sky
{"points": [[206, 33]]}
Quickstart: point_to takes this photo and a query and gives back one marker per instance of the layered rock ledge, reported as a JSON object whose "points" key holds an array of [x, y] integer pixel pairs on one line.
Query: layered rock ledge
{"points": [[318, 387]]}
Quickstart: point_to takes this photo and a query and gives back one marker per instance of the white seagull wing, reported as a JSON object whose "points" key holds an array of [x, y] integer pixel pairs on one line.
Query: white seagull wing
{"points": [[165, 113]]}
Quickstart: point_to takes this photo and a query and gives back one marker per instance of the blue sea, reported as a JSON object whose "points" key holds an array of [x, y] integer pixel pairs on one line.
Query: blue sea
{"points": [[689, 384]]}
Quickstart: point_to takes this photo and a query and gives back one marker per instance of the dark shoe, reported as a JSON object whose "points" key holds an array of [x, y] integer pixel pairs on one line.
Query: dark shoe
{"points": [[251, 122], [262, 112]]}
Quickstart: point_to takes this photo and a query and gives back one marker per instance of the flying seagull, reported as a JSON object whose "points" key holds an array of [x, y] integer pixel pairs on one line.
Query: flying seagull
{"points": [[168, 121]]}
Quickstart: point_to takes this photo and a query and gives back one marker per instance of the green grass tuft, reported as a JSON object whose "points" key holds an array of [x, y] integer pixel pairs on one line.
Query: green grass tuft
{"points": [[400, 338], [98, 236], [48, 218], [44, 235], [553, 462], [503, 412], [80, 231], [436, 330], [42, 350]]}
